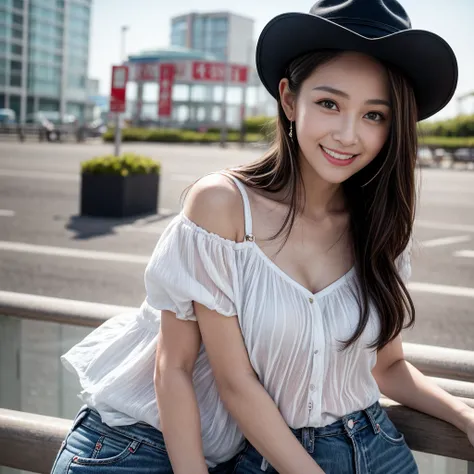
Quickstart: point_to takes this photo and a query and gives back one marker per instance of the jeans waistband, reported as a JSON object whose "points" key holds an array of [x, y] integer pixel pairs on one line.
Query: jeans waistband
{"points": [[348, 424], [141, 432]]}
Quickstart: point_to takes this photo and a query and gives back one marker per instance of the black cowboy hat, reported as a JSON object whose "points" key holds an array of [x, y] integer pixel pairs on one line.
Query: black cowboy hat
{"points": [[379, 28]]}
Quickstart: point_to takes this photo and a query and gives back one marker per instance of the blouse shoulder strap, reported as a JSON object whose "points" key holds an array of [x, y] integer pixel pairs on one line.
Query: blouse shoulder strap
{"points": [[245, 198]]}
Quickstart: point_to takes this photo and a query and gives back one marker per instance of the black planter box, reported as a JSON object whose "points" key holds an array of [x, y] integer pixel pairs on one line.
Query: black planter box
{"points": [[108, 195]]}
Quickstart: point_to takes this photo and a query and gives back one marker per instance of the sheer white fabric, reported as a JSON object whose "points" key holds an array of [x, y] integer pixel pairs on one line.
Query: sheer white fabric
{"points": [[292, 337]]}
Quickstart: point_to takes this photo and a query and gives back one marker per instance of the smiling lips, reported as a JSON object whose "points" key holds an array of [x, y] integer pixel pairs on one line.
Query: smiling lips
{"points": [[337, 158]]}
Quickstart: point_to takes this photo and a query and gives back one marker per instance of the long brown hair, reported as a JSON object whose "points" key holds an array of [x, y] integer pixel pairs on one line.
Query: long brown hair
{"points": [[380, 198]]}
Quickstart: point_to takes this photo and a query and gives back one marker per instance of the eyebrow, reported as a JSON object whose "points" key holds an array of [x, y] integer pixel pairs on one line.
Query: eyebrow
{"points": [[331, 90]]}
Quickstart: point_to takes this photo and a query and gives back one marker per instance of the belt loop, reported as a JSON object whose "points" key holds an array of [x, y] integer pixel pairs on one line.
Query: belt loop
{"points": [[311, 440], [305, 437], [370, 416], [264, 465]]}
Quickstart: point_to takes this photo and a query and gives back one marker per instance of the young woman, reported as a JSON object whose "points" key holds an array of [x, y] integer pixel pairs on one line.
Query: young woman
{"points": [[294, 268]]}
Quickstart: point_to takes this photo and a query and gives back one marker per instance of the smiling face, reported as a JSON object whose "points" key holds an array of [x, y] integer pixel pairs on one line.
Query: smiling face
{"points": [[342, 115]]}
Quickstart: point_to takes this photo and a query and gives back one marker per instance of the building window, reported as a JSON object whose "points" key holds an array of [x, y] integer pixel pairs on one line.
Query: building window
{"points": [[18, 4], [17, 33], [15, 67], [15, 80], [80, 12], [45, 29], [40, 87], [17, 19], [36, 55], [39, 41], [179, 33], [76, 81], [17, 49], [218, 25], [44, 13]]}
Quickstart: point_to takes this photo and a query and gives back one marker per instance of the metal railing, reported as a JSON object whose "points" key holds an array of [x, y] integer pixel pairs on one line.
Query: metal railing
{"points": [[452, 369], [38, 132]]}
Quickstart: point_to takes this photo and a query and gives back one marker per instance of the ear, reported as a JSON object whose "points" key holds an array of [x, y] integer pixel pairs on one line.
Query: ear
{"points": [[287, 98]]}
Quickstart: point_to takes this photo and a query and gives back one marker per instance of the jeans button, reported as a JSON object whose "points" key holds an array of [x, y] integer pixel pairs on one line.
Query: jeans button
{"points": [[350, 424]]}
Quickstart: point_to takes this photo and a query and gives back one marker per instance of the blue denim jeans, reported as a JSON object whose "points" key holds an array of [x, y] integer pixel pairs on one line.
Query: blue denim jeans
{"points": [[365, 442], [96, 448]]}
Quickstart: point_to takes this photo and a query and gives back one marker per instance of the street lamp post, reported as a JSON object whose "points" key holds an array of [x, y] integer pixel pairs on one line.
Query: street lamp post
{"points": [[123, 50], [118, 129]]}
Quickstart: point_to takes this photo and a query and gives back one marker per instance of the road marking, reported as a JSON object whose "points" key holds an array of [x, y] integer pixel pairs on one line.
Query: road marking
{"points": [[6, 213], [446, 190], [155, 229], [72, 253], [446, 241], [441, 289], [41, 175], [444, 226], [464, 253]]}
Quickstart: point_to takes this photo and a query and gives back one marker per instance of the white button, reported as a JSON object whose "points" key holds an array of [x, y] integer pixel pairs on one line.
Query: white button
{"points": [[350, 424], [311, 300], [312, 387], [310, 405], [316, 352]]}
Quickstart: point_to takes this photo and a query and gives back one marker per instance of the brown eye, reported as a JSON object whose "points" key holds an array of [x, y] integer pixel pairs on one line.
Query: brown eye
{"points": [[375, 116], [327, 104]]}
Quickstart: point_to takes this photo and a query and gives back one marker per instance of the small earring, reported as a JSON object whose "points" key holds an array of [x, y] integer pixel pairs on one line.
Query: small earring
{"points": [[290, 134]]}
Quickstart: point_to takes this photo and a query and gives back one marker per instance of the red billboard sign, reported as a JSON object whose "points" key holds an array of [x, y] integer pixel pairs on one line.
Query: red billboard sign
{"points": [[118, 90], [146, 72], [215, 72], [165, 101]]}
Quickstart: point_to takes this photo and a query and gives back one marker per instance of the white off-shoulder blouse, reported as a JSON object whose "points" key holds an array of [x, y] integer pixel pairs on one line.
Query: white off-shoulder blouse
{"points": [[291, 336]]}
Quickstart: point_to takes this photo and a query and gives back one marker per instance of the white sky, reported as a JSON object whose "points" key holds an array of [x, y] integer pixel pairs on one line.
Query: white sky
{"points": [[149, 28]]}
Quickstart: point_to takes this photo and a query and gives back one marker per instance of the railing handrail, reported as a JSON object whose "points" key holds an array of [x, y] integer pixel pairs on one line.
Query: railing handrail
{"points": [[43, 436], [456, 364]]}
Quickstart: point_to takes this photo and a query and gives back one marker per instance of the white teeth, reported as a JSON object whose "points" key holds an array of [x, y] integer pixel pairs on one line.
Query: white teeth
{"points": [[338, 156]]}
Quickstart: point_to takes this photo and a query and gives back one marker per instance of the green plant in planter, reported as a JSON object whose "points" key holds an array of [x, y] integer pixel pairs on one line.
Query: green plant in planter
{"points": [[119, 186], [124, 165]]}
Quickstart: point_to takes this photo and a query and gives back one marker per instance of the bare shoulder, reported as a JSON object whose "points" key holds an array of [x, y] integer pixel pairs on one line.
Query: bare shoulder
{"points": [[215, 204]]}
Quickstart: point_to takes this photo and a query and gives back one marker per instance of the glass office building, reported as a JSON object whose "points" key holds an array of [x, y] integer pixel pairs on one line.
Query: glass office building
{"points": [[44, 55], [224, 35]]}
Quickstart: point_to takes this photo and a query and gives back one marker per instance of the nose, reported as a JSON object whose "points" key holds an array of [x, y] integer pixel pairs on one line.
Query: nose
{"points": [[346, 133]]}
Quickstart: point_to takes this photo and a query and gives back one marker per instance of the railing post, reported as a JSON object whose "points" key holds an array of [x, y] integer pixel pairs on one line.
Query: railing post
{"points": [[470, 467]]}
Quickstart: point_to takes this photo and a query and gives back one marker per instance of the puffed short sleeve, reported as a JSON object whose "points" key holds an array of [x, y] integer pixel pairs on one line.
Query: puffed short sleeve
{"points": [[190, 264]]}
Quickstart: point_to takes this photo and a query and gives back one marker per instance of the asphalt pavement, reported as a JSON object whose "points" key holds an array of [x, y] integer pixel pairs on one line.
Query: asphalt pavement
{"points": [[46, 248]]}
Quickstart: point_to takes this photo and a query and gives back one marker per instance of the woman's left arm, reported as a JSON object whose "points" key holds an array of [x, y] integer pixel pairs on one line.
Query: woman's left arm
{"points": [[402, 382]]}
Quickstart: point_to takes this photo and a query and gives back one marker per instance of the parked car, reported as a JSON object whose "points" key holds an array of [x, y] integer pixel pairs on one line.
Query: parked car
{"points": [[464, 155]]}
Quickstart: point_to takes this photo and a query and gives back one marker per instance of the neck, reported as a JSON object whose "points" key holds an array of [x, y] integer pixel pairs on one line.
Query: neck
{"points": [[321, 197]]}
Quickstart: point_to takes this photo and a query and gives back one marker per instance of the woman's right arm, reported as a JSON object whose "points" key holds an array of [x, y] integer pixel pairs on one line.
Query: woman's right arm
{"points": [[177, 350], [217, 210]]}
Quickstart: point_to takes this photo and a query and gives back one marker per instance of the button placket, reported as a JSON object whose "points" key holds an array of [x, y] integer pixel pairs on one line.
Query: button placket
{"points": [[316, 372]]}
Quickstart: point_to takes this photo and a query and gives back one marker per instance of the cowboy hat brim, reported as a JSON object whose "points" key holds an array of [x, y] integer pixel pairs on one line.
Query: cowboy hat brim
{"points": [[424, 57]]}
